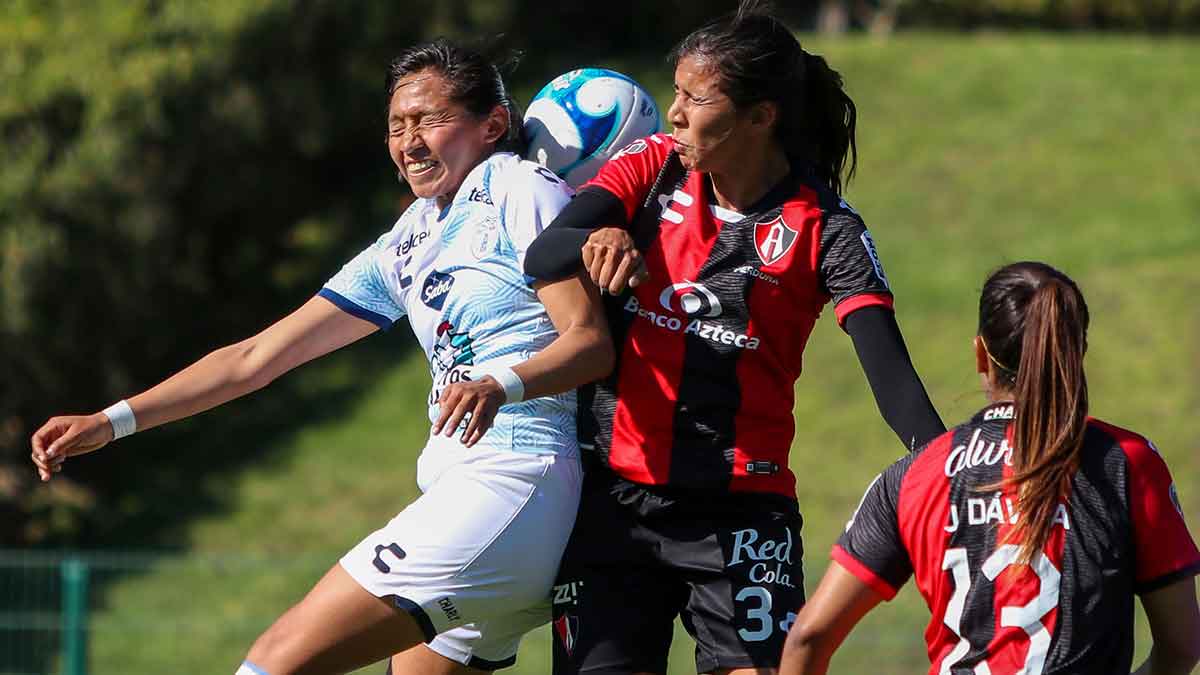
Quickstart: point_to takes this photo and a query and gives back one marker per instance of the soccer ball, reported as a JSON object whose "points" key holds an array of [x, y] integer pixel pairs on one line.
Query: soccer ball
{"points": [[585, 116]]}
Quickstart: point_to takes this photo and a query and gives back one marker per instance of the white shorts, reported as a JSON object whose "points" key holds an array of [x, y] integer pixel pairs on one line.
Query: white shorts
{"points": [[474, 557]]}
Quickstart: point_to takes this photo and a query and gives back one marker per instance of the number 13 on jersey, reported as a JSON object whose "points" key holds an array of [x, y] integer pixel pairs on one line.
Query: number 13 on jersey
{"points": [[1027, 617]]}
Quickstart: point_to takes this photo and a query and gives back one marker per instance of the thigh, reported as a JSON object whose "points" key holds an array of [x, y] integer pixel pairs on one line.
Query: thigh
{"points": [[337, 627], [614, 620], [421, 660], [483, 542], [490, 645], [614, 605], [744, 591]]}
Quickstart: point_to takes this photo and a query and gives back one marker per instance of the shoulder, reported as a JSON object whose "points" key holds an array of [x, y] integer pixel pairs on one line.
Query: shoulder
{"points": [[412, 225], [655, 146], [507, 176], [1140, 452], [814, 202], [927, 464]]}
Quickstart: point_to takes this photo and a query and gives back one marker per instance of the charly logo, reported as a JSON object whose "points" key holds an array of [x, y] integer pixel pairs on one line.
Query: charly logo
{"points": [[691, 299], [394, 549], [437, 287], [773, 239], [771, 558]]}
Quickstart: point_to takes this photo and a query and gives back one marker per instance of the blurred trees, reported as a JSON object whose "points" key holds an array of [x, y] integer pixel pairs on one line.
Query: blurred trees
{"points": [[177, 174], [881, 16]]}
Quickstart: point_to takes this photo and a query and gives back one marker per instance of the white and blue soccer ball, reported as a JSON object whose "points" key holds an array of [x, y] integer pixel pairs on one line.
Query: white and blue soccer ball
{"points": [[583, 117]]}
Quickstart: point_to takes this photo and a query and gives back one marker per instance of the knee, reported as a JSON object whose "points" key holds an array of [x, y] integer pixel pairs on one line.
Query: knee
{"points": [[274, 651]]}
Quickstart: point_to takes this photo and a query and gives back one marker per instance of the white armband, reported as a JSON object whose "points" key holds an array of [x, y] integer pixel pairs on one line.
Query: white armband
{"points": [[514, 388], [120, 416]]}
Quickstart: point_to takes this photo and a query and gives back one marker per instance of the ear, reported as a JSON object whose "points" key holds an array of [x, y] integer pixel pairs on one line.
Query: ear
{"points": [[496, 124], [983, 364], [764, 114]]}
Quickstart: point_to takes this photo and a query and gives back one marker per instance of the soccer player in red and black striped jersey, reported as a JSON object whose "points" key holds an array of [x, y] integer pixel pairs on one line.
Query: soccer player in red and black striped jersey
{"points": [[1029, 529], [734, 237]]}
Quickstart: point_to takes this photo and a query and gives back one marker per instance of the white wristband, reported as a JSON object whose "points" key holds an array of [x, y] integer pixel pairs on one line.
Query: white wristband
{"points": [[120, 416], [514, 388]]}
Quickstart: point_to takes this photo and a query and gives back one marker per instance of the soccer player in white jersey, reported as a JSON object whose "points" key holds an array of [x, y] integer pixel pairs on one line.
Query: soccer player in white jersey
{"points": [[465, 569]]}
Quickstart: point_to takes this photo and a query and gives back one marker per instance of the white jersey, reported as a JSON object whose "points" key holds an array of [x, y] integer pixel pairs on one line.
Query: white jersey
{"points": [[457, 273]]}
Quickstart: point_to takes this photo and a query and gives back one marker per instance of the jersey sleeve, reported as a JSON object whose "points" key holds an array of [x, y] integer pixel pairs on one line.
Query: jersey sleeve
{"points": [[359, 288], [1164, 549], [631, 173], [850, 271], [534, 199], [871, 548]]}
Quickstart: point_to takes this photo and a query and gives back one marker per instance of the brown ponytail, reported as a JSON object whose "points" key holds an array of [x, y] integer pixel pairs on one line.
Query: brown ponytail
{"points": [[1034, 316], [827, 127]]}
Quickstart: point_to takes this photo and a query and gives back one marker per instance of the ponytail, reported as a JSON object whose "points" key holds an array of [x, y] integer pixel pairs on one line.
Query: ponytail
{"points": [[1046, 320], [827, 123], [1051, 410]]}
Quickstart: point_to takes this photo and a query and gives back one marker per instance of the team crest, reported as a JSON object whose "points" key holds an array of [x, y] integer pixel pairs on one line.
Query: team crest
{"points": [[484, 242], [773, 239], [566, 627]]}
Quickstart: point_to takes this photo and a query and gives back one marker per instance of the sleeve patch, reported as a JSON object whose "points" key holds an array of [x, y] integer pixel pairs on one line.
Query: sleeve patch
{"points": [[869, 244]]}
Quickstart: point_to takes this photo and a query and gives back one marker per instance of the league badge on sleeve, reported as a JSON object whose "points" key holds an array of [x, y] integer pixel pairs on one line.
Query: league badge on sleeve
{"points": [[773, 239], [869, 244], [1175, 499]]}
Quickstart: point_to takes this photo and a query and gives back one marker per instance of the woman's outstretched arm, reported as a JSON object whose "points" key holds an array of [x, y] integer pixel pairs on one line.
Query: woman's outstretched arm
{"points": [[316, 328], [901, 397]]}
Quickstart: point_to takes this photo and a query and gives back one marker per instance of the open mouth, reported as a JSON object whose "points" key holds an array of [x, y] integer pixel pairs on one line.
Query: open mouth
{"points": [[420, 168]]}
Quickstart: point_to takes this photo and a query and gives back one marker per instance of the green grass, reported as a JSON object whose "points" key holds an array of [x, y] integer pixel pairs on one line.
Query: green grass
{"points": [[975, 151]]}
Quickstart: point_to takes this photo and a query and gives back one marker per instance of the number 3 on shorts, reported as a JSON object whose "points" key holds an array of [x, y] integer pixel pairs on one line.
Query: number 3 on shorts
{"points": [[1028, 617], [761, 614]]}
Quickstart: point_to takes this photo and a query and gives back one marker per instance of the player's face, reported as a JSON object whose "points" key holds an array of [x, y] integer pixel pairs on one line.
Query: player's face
{"points": [[434, 141], [706, 123]]}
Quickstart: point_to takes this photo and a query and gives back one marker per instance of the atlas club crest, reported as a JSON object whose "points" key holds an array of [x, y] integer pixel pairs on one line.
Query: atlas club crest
{"points": [[773, 239]]}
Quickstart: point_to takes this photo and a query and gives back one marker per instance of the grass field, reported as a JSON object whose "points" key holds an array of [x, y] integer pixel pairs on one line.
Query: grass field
{"points": [[975, 151]]}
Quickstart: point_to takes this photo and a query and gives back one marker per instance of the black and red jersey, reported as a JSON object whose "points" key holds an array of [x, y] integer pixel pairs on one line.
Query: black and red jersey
{"points": [[1119, 532], [710, 346]]}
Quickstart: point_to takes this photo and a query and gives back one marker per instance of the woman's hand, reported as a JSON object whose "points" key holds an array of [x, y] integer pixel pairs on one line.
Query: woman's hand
{"points": [[612, 260], [473, 401], [63, 437]]}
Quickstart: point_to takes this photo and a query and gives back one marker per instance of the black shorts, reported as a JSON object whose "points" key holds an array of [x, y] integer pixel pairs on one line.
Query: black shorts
{"points": [[728, 564]]}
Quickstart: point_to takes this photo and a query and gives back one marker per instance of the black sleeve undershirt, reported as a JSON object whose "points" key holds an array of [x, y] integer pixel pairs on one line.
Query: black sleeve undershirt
{"points": [[901, 397], [556, 253]]}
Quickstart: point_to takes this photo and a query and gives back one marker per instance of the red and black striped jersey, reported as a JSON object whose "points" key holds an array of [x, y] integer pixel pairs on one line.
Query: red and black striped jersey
{"points": [[709, 347], [1119, 532]]}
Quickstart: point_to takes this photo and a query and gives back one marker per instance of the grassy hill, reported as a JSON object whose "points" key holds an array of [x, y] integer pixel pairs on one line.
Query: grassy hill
{"points": [[975, 151]]}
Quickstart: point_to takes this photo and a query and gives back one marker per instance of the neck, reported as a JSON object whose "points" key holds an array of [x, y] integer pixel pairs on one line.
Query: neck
{"points": [[997, 395], [741, 187]]}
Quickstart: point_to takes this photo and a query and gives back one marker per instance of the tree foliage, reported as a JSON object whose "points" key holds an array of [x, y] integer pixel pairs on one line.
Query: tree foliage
{"points": [[177, 174]]}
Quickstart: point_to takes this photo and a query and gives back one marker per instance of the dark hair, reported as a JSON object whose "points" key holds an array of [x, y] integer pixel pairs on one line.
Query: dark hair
{"points": [[474, 82], [1033, 322], [758, 59]]}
